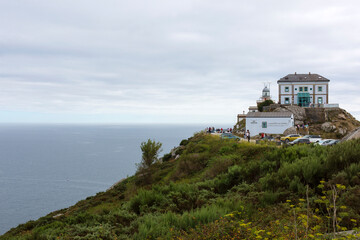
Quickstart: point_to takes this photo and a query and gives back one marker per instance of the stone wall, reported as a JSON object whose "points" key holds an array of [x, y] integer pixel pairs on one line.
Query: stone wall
{"points": [[315, 115]]}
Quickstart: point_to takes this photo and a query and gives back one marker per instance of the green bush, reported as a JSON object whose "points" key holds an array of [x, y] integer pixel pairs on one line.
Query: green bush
{"points": [[184, 142], [156, 225], [166, 157], [146, 201], [269, 198], [342, 156], [219, 165]]}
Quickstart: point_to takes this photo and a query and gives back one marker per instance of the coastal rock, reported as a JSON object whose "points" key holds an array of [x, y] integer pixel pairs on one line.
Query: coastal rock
{"points": [[176, 151], [58, 215], [299, 113], [342, 116], [328, 127], [342, 131], [290, 130]]}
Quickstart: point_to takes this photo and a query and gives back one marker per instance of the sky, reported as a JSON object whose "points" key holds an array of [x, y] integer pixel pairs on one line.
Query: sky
{"points": [[188, 61]]}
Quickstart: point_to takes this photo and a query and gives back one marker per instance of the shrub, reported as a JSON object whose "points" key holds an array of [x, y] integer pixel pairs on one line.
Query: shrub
{"points": [[296, 185], [197, 148], [156, 225], [343, 155], [150, 151], [269, 198], [166, 157], [184, 142], [263, 104], [219, 165], [146, 201], [191, 163]]}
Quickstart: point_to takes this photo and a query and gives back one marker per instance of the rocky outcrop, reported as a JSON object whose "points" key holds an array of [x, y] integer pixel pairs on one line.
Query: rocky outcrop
{"points": [[299, 113], [291, 130], [315, 115], [328, 127], [328, 122]]}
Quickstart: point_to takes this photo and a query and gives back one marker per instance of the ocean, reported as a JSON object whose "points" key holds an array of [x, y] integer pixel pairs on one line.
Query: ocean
{"points": [[44, 168]]}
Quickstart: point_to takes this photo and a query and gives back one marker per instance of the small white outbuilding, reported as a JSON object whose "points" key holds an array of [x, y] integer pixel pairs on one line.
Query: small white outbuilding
{"points": [[268, 122]]}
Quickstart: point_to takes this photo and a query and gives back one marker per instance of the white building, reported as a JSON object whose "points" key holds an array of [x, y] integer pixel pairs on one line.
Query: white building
{"points": [[253, 109], [268, 122], [303, 89]]}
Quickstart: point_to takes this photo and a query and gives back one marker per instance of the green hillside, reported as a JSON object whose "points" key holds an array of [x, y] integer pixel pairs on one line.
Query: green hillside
{"points": [[221, 189]]}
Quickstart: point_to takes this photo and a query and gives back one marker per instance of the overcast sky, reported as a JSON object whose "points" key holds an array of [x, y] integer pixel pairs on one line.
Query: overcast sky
{"points": [[92, 61]]}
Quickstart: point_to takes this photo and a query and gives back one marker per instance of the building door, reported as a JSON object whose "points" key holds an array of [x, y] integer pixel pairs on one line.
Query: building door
{"points": [[303, 99]]}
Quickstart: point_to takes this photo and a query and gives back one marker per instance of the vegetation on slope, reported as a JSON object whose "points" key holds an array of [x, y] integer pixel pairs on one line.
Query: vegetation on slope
{"points": [[220, 189]]}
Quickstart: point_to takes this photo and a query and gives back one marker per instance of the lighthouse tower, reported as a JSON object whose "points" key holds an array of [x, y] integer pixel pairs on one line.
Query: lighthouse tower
{"points": [[265, 93]]}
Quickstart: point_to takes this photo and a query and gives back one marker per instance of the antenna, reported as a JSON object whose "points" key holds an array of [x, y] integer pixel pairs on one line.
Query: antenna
{"points": [[267, 84]]}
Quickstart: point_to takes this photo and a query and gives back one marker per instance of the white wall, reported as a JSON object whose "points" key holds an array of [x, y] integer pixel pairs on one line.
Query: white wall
{"points": [[285, 96], [311, 91], [274, 125], [283, 86], [323, 89], [297, 88], [323, 99]]}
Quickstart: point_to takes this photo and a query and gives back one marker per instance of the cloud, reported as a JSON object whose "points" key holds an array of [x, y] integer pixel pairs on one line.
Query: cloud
{"points": [[188, 61]]}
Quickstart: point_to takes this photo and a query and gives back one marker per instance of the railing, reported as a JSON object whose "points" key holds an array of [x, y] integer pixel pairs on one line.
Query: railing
{"points": [[318, 105]]}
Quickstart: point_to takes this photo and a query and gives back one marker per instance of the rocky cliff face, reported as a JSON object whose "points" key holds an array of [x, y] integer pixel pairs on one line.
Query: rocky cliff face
{"points": [[328, 122], [299, 113]]}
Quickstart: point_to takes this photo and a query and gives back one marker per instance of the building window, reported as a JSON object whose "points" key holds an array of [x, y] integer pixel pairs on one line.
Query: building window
{"points": [[300, 89], [305, 89], [319, 89], [264, 124], [310, 89], [287, 100], [320, 100], [286, 89], [295, 89]]}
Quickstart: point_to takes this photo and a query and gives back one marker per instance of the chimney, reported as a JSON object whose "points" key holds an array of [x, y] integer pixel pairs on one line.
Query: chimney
{"points": [[295, 73], [309, 73]]}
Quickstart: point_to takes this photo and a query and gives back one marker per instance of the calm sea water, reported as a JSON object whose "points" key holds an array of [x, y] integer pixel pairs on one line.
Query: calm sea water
{"points": [[49, 167]]}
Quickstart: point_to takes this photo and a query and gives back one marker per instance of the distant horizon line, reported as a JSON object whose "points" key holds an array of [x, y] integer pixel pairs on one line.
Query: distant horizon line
{"points": [[115, 123]]}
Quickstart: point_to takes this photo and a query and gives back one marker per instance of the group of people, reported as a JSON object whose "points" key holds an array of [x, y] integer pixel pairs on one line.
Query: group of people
{"points": [[210, 129], [304, 127], [218, 130]]}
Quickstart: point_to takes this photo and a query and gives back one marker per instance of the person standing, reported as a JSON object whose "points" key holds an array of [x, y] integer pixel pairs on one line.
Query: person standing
{"points": [[248, 135]]}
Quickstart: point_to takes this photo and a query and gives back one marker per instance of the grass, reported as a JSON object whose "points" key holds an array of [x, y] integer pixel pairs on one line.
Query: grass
{"points": [[219, 189]]}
